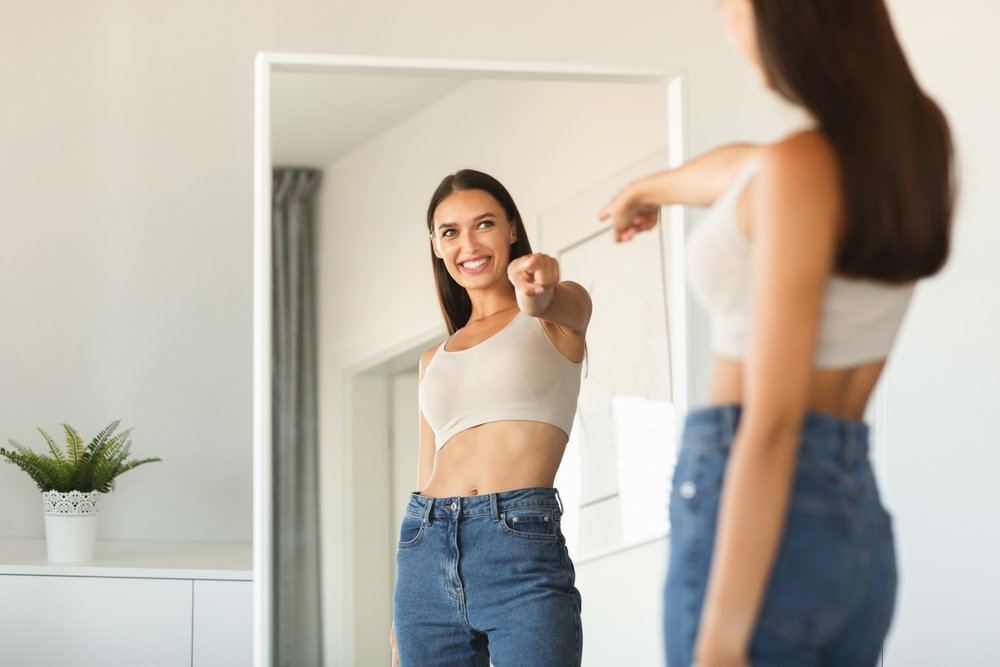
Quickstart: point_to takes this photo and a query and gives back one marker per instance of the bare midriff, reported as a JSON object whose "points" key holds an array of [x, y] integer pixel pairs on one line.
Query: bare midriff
{"points": [[498, 456], [507, 455], [842, 392]]}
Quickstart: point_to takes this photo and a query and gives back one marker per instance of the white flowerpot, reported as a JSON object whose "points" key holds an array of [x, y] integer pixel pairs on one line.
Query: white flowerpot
{"points": [[70, 525]]}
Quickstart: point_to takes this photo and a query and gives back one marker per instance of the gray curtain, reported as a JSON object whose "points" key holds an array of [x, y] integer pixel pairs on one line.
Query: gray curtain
{"points": [[296, 549]]}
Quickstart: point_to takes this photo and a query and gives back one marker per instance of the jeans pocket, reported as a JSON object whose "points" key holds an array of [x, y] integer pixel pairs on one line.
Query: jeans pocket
{"points": [[411, 530], [532, 523], [811, 580]]}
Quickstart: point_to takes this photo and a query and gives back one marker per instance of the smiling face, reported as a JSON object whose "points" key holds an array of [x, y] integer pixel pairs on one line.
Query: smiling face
{"points": [[472, 235]]}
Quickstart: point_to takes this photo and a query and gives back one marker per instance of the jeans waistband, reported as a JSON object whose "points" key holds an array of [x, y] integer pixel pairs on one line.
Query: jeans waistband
{"points": [[820, 432], [489, 504]]}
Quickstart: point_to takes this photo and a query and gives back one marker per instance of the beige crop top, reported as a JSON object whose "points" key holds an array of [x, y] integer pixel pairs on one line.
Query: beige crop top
{"points": [[516, 374], [859, 319]]}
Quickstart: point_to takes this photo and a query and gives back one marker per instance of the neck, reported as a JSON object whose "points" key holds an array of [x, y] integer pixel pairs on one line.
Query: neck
{"points": [[489, 302]]}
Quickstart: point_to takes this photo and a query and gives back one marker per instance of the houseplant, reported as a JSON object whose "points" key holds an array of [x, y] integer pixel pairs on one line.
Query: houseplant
{"points": [[72, 481]]}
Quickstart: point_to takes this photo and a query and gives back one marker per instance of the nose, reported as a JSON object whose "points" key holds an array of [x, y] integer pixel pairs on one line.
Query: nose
{"points": [[470, 245]]}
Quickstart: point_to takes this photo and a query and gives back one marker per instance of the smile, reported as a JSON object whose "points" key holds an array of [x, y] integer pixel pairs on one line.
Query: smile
{"points": [[475, 265]]}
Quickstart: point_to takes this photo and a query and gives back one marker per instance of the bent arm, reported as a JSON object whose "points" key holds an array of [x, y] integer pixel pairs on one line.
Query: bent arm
{"points": [[795, 204]]}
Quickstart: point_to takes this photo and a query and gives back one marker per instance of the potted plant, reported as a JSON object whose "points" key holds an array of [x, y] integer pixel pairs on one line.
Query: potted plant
{"points": [[72, 481]]}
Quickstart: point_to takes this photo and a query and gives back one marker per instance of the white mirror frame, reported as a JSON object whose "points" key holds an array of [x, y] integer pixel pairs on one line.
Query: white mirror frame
{"points": [[268, 63]]}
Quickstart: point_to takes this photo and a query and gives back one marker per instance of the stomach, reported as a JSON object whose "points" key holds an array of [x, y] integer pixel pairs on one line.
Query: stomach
{"points": [[507, 455], [497, 456], [842, 392]]}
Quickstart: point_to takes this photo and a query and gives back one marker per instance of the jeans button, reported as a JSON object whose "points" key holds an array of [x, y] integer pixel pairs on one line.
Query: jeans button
{"points": [[688, 489]]}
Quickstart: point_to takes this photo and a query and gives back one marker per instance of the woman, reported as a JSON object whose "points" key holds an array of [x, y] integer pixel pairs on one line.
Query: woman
{"points": [[483, 571], [781, 552]]}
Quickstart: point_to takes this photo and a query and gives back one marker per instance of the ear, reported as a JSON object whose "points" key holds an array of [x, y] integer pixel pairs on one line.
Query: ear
{"points": [[434, 246], [513, 233]]}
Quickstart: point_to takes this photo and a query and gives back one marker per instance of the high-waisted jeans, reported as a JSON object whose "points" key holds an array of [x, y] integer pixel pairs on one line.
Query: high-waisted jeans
{"points": [[485, 578], [830, 597]]}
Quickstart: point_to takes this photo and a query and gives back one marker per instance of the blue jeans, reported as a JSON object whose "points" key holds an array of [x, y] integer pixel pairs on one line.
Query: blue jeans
{"points": [[486, 577], [831, 594]]}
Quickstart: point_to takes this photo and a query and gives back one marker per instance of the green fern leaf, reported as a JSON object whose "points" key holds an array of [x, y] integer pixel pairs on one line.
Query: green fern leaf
{"points": [[125, 467], [103, 436], [53, 447], [74, 443], [93, 467], [38, 468], [114, 443]]}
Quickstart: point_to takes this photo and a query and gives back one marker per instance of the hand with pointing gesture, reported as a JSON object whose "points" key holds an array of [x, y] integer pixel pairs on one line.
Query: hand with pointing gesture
{"points": [[534, 278]]}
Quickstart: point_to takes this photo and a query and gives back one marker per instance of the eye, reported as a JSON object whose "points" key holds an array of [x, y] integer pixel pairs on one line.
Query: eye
{"points": [[447, 233], [486, 224]]}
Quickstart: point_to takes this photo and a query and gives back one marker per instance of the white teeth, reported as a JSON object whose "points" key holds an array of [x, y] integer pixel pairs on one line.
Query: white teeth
{"points": [[475, 265]]}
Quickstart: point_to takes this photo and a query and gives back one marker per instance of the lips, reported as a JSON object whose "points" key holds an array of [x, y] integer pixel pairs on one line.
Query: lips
{"points": [[474, 266]]}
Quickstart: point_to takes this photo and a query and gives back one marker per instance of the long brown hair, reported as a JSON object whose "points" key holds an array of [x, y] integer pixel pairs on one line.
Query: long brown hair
{"points": [[455, 303], [840, 59]]}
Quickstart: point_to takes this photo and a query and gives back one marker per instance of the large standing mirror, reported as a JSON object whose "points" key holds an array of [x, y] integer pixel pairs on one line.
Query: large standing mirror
{"points": [[348, 152]]}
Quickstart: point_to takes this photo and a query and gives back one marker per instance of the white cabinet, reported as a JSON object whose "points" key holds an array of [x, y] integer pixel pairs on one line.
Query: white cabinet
{"points": [[223, 620], [149, 604], [91, 622]]}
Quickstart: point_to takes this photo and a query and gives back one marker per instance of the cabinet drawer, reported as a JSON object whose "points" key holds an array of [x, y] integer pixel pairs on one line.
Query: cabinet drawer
{"points": [[95, 622], [223, 624]]}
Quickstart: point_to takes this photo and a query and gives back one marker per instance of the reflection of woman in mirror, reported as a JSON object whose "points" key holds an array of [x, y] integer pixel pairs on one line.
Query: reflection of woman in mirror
{"points": [[781, 552], [483, 569]]}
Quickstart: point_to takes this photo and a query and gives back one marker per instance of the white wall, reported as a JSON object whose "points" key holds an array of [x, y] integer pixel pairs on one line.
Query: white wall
{"points": [[125, 255], [942, 446], [622, 598]]}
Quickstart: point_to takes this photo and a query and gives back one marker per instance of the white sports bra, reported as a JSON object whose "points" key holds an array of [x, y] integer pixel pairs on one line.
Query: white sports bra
{"points": [[516, 374], [859, 320]]}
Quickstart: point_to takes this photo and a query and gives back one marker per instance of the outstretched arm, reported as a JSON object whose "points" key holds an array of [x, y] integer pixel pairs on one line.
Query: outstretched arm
{"points": [[541, 294], [698, 182], [796, 205]]}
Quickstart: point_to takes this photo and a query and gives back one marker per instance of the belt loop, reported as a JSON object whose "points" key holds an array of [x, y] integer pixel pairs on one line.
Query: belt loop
{"points": [[559, 500], [849, 446], [842, 438], [728, 426], [427, 511], [494, 512]]}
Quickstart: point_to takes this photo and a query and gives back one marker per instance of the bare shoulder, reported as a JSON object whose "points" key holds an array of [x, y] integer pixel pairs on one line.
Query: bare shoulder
{"points": [[425, 358], [802, 159], [799, 178]]}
